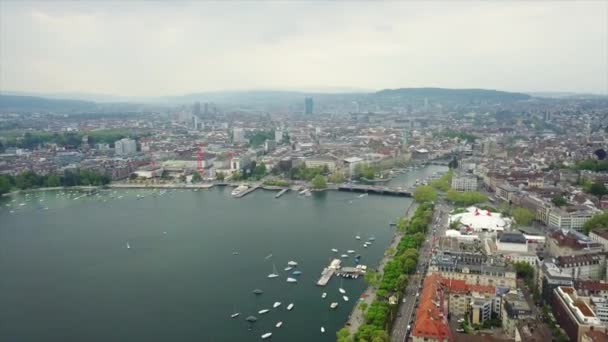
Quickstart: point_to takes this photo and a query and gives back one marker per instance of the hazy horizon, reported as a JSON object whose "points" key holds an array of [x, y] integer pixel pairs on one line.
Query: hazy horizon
{"points": [[142, 49]]}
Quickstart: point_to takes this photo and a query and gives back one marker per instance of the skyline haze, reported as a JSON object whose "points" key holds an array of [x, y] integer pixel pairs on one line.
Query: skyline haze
{"points": [[162, 49]]}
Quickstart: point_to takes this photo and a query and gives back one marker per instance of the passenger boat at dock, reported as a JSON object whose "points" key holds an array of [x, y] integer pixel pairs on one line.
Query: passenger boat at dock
{"points": [[240, 189]]}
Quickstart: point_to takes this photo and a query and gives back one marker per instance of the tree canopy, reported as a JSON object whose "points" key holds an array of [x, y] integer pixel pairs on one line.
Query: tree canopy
{"points": [[523, 216], [598, 221], [425, 193], [465, 198], [559, 201], [319, 182]]}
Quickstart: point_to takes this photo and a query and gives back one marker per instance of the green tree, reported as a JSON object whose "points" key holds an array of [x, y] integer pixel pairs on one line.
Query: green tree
{"points": [[236, 176], [336, 177], [523, 216], [363, 306], [465, 198], [319, 182], [52, 181], [343, 335], [425, 193], [372, 278], [196, 178], [559, 201], [220, 176], [598, 189], [5, 184], [598, 221]]}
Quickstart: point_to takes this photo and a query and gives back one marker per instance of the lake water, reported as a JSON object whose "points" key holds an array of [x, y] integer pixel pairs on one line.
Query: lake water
{"points": [[67, 274]]}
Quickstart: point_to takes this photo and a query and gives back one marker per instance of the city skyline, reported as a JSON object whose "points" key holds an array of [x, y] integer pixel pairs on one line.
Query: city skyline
{"points": [[186, 48]]}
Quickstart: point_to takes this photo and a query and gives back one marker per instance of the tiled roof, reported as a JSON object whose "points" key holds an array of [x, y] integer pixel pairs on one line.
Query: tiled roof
{"points": [[430, 321]]}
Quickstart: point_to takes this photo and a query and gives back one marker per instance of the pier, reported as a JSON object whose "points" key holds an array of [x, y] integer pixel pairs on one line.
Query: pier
{"points": [[281, 193], [248, 191], [328, 272], [382, 190]]}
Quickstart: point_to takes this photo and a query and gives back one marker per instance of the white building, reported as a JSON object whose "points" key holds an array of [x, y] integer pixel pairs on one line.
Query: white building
{"points": [[238, 135], [351, 163], [464, 182], [601, 236], [278, 136], [125, 147]]}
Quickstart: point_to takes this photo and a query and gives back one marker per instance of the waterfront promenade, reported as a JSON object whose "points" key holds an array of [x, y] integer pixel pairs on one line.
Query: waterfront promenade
{"points": [[357, 316]]}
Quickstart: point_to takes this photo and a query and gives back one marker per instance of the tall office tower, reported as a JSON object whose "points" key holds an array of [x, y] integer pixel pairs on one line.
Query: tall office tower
{"points": [[308, 105]]}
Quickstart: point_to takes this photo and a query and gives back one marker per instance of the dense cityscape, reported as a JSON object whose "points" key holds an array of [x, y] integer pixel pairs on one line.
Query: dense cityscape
{"points": [[515, 248]]}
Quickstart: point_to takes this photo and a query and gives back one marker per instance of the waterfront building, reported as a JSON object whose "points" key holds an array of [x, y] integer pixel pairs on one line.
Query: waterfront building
{"points": [[321, 162], [464, 182]]}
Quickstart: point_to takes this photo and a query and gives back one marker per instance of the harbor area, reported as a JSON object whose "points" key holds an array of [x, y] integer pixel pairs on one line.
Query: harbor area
{"points": [[335, 268]]}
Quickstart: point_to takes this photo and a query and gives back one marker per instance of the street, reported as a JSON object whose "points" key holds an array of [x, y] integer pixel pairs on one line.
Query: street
{"points": [[405, 316]]}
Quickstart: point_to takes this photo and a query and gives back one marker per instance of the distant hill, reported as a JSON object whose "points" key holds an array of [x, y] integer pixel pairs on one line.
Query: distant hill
{"points": [[452, 95], [33, 103]]}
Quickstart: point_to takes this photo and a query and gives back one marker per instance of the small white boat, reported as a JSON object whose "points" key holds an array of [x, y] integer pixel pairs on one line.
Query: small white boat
{"points": [[334, 250], [322, 330], [292, 280], [235, 315], [276, 304], [274, 273], [350, 251], [261, 312], [344, 255], [290, 306], [333, 305], [364, 246], [266, 335], [358, 237], [342, 291], [324, 295], [345, 298], [292, 263], [288, 268], [128, 246], [278, 325]]}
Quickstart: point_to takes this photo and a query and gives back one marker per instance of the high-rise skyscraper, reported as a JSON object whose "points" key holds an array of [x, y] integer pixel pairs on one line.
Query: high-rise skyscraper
{"points": [[238, 135], [308, 106], [196, 109], [125, 147]]}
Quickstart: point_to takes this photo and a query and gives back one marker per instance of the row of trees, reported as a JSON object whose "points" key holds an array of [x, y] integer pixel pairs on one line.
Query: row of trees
{"points": [[31, 140], [394, 278], [465, 198], [301, 172], [444, 182], [32, 180], [593, 165]]}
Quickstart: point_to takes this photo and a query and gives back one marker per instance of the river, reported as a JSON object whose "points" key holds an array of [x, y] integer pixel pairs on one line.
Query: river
{"points": [[67, 274]]}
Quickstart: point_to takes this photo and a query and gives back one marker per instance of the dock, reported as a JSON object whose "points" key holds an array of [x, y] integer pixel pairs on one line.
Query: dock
{"points": [[246, 192], [281, 193], [328, 272]]}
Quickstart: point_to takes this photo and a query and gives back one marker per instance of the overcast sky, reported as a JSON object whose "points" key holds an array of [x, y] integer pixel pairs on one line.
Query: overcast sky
{"points": [[163, 48]]}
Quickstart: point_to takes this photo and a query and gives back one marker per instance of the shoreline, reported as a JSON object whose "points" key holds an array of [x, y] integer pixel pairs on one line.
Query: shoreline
{"points": [[356, 317]]}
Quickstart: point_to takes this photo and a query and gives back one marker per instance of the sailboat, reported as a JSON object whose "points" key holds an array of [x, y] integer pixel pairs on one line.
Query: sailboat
{"points": [[279, 323], [263, 311], [333, 305], [358, 237], [235, 315], [276, 305], [345, 298], [341, 289], [128, 246], [292, 263], [324, 295], [322, 330], [334, 250], [292, 280], [266, 335], [290, 306], [274, 273], [288, 268]]}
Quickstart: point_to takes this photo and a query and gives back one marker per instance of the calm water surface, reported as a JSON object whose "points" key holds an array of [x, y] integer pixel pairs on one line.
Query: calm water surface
{"points": [[67, 274]]}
